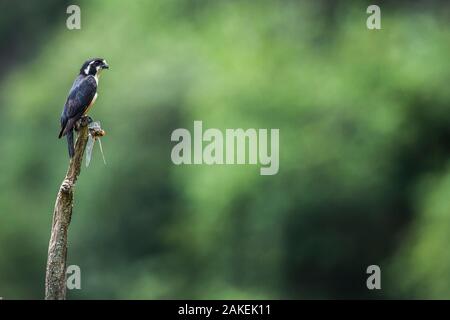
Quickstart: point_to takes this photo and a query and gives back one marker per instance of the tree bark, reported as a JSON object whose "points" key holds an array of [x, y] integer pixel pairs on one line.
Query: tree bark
{"points": [[55, 280]]}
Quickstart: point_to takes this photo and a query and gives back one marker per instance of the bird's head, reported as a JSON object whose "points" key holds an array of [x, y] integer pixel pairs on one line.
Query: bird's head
{"points": [[93, 66]]}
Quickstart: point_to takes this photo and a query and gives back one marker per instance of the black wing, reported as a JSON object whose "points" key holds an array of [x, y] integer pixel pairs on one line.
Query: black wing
{"points": [[80, 96]]}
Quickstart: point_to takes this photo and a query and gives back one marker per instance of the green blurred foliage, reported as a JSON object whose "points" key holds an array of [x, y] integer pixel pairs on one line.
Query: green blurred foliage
{"points": [[364, 151]]}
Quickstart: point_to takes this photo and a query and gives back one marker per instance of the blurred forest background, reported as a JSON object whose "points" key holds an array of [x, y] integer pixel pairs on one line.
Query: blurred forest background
{"points": [[364, 148]]}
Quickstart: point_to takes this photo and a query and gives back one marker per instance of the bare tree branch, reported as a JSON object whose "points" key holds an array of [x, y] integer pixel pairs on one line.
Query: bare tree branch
{"points": [[55, 280]]}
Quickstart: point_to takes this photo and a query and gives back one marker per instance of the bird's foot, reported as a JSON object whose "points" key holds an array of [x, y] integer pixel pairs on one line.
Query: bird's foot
{"points": [[83, 122]]}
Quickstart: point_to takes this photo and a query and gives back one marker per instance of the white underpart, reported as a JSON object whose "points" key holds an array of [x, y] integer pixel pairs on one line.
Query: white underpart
{"points": [[95, 98]]}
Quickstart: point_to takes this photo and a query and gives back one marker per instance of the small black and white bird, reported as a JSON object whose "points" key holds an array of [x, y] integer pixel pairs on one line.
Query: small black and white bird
{"points": [[81, 97]]}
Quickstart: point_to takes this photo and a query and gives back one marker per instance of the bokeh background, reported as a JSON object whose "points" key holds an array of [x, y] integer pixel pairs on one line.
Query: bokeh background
{"points": [[364, 148]]}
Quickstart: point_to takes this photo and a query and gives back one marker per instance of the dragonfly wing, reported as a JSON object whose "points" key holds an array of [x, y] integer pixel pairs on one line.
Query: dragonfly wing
{"points": [[101, 150], [89, 148]]}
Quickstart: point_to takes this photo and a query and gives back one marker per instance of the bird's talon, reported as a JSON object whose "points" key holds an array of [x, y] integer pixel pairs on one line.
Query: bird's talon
{"points": [[85, 120]]}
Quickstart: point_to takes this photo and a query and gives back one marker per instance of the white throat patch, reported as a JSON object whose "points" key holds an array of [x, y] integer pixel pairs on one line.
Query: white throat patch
{"points": [[97, 74]]}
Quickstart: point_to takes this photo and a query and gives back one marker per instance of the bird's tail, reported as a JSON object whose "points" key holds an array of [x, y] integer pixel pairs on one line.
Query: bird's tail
{"points": [[61, 133], [70, 143], [66, 127]]}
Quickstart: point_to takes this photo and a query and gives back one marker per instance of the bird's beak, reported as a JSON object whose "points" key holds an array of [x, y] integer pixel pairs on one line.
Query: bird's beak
{"points": [[105, 66]]}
